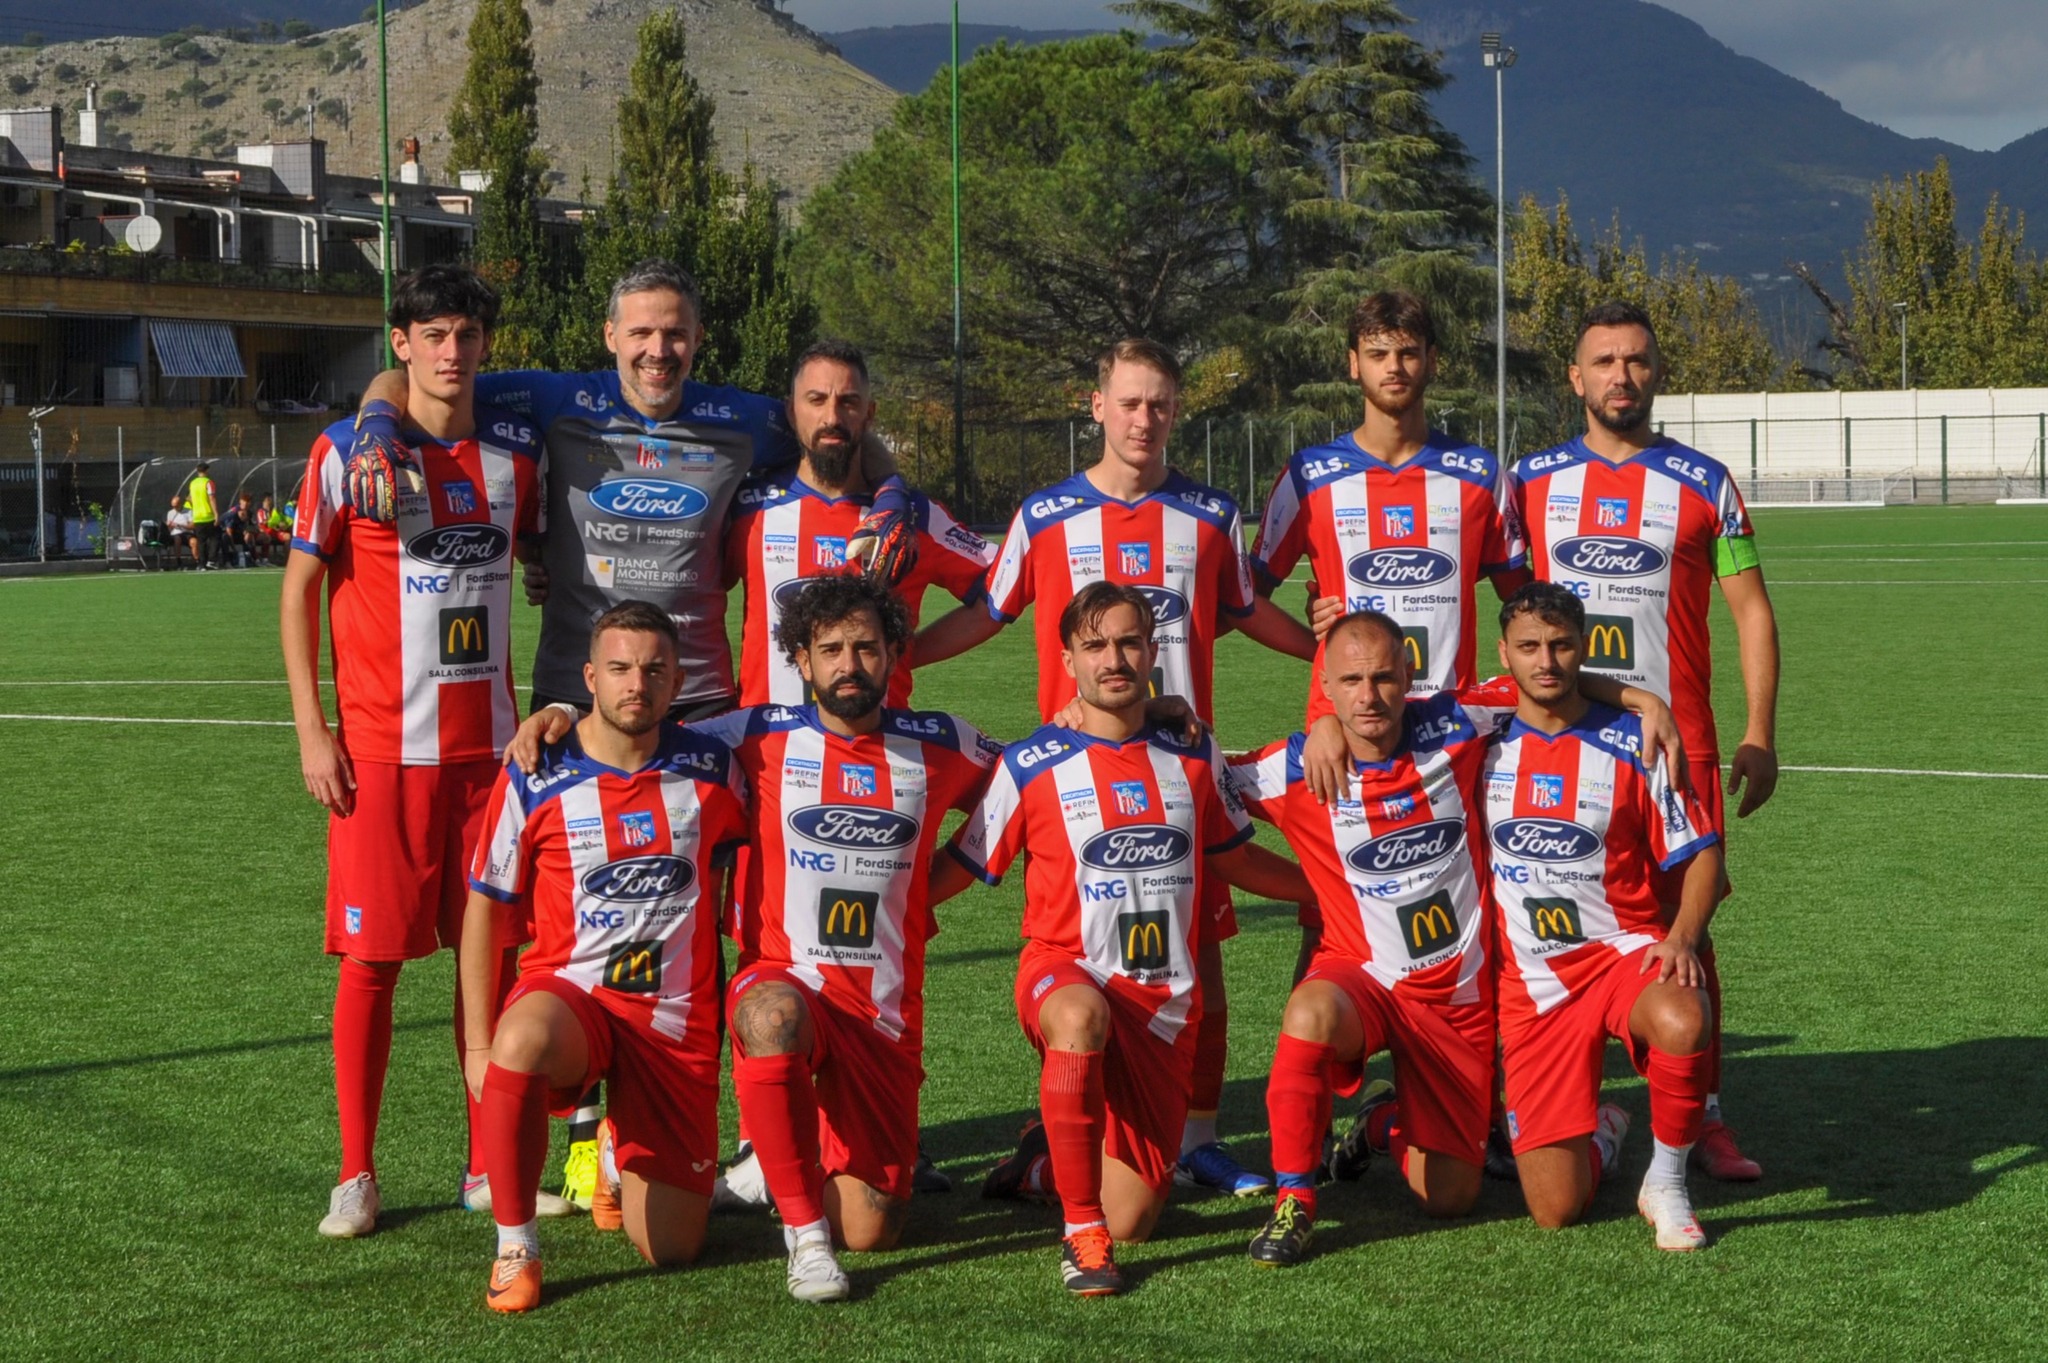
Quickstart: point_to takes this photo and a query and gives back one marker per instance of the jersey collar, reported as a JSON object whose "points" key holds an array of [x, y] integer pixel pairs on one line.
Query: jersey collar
{"points": [[1580, 449], [1596, 718], [1424, 457]]}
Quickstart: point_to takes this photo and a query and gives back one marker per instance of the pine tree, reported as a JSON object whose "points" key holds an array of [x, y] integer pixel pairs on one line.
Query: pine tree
{"points": [[493, 126]]}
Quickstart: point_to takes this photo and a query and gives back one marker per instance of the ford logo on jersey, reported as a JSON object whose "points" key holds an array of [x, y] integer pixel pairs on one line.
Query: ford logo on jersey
{"points": [[1557, 840], [1607, 556], [649, 499], [637, 879], [1407, 849], [460, 546], [853, 826], [1399, 569], [1168, 606], [1141, 847]]}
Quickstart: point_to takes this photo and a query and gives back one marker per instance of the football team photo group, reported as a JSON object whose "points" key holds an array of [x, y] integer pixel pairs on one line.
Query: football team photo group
{"points": [[672, 854]]}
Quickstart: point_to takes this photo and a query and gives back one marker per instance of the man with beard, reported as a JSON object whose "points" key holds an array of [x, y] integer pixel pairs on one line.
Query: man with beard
{"points": [[827, 1000], [1636, 526], [1125, 823], [608, 849], [795, 525]]}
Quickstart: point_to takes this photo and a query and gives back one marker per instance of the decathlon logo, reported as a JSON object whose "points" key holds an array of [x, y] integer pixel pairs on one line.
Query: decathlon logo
{"points": [[841, 826], [1556, 840], [460, 546], [649, 499], [1607, 556], [1168, 606], [1143, 847], [1407, 849], [1399, 569], [635, 880]]}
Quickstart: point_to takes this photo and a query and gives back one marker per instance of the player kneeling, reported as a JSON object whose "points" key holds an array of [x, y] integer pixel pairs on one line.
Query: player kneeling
{"points": [[1123, 819], [1580, 823], [611, 842]]}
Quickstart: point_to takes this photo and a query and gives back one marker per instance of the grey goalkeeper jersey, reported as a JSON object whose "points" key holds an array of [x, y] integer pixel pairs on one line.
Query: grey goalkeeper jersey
{"points": [[636, 511]]}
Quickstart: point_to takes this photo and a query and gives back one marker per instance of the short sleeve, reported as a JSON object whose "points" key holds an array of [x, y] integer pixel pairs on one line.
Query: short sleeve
{"points": [[1009, 582], [1283, 530], [499, 866], [1224, 823], [1678, 824], [1262, 778], [969, 768], [953, 556], [1234, 593], [1489, 704], [993, 835], [323, 505], [1502, 545]]}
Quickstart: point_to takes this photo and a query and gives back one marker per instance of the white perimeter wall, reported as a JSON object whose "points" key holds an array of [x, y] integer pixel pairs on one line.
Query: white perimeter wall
{"points": [[1990, 430]]}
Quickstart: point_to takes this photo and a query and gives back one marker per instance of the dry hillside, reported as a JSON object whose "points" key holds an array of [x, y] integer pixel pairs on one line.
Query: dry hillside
{"points": [[785, 98]]}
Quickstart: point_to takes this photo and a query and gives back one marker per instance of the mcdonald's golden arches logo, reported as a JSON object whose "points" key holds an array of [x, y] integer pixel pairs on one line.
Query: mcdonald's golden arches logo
{"points": [[1611, 642], [1142, 937], [1429, 926], [634, 968], [1555, 920], [465, 635], [846, 918]]}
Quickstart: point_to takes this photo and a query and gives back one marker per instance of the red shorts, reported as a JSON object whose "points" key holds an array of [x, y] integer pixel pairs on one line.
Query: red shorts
{"points": [[398, 865], [1553, 1062], [1443, 1058], [661, 1094], [1145, 1081], [867, 1086]]}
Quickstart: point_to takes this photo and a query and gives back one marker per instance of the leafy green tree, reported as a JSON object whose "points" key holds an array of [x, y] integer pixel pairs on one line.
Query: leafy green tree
{"points": [[670, 199], [493, 127]]}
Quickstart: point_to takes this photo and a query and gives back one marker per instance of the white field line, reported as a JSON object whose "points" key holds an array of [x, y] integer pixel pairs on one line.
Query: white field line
{"points": [[131, 719], [1913, 771], [1930, 544]]}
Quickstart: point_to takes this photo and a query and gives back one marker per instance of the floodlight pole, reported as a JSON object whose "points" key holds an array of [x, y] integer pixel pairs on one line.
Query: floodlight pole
{"points": [[1905, 383], [959, 328], [1499, 59], [384, 143]]}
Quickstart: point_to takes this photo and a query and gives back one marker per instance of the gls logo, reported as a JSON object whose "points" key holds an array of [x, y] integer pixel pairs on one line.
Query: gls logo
{"points": [[593, 402], [852, 826], [1051, 506], [1607, 556], [1043, 752], [1549, 840], [635, 880], [1141, 847], [649, 499], [1397, 569], [1168, 606], [1469, 463], [518, 435], [1408, 849], [460, 546], [717, 411]]}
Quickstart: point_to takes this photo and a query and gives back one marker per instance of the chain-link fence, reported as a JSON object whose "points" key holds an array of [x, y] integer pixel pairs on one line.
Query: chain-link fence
{"points": [[1982, 456]]}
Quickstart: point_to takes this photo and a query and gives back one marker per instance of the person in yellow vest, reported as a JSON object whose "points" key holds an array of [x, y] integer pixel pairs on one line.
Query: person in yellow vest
{"points": [[205, 505]]}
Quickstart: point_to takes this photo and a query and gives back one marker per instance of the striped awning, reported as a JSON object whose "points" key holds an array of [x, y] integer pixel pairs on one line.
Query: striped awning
{"points": [[196, 350]]}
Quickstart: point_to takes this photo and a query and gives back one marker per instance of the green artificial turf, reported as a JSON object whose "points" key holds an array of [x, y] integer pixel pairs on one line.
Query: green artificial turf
{"points": [[167, 1119]]}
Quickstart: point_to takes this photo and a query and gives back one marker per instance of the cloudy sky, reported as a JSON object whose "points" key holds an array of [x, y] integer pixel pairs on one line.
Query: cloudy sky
{"points": [[1970, 71]]}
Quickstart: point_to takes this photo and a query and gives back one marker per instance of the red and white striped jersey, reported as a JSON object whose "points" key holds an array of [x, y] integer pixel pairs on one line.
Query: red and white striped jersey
{"points": [[1400, 853], [1182, 545], [1637, 542], [783, 531], [1577, 827], [843, 835], [1116, 834], [618, 869], [1409, 540], [420, 610]]}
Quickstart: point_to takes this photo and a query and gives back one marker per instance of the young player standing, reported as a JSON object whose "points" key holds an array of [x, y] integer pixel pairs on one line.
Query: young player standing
{"points": [[1581, 820], [1637, 526], [827, 1001], [1131, 519], [419, 609], [1124, 821], [608, 848]]}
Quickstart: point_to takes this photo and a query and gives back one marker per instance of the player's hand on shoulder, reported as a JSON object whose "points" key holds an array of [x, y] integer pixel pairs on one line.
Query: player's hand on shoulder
{"points": [[549, 724], [378, 460], [1676, 963], [1068, 716], [330, 777], [1754, 772], [1326, 761], [1175, 713], [1323, 612], [885, 541]]}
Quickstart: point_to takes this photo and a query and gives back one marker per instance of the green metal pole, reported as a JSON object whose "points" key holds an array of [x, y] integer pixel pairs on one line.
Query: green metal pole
{"points": [[384, 140], [1944, 461], [1752, 456], [1848, 449], [2041, 474], [959, 320]]}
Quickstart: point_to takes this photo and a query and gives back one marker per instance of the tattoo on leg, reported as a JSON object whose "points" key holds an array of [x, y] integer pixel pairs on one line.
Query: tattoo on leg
{"points": [[893, 1210], [768, 1020]]}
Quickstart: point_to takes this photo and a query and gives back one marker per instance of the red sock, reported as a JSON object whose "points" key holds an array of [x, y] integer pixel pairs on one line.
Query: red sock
{"points": [[1305, 1196], [1070, 1099], [514, 1122], [1714, 1042], [1678, 1095], [505, 975], [1298, 1104], [1212, 1055], [362, 1051], [781, 1106]]}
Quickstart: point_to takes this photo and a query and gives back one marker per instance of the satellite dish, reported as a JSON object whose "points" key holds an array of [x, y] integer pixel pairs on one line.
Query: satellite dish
{"points": [[143, 234]]}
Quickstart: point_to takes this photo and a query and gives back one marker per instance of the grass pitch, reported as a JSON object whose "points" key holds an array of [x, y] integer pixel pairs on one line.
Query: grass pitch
{"points": [[167, 1118]]}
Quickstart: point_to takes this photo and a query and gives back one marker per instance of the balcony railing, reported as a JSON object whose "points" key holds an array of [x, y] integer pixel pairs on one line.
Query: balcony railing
{"points": [[139, 268]]}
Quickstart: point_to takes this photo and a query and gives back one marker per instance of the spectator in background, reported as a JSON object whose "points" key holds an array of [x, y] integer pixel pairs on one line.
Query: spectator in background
{"points": [[205, 504], [234, 531], [178, 525], [272, 529]]}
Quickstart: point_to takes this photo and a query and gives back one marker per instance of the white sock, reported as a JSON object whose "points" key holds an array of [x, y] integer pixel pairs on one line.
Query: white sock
{"points": [[821, 1229], [607, 1162], [1197, 1131], [1607, 1151], [1667, 1165], [1713, 1107], [526, 1237], [1076, 1227]]}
